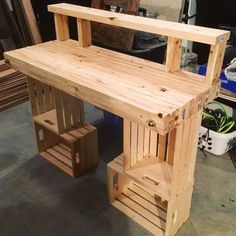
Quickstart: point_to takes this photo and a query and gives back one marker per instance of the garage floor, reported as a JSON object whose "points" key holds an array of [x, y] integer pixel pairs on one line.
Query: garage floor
{"points": [[36, 198]]}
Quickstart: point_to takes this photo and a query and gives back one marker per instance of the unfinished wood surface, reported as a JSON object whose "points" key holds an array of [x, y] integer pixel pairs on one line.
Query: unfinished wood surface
{"points": [[61, 26], [84, 32], [215, 60], [170, 29], [144, 92], [150, 211], [174, 53]]}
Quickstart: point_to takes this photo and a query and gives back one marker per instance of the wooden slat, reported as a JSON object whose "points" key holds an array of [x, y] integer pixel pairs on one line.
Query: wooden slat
{"points": [[146, 195], [139, 219], [153, 143], [141, 211], [60, 156], [134, 142], [84, 32], [59, 110], [66, 103], [39, 96], [162, 147], [32, 96], [170, 29], [56, 162], [146, 148], [127, 144], [146, 204], [61, 26], [140, 143]]}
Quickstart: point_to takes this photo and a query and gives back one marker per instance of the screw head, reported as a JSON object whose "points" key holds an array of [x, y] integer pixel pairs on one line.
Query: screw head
{"points": [[151, 123]]}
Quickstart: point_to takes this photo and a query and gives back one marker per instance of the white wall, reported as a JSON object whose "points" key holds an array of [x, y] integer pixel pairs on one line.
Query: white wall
{"points": [[168, 9]]}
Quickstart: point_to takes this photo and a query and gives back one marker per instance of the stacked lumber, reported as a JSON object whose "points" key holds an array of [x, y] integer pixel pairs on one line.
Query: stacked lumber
{"points": [[13, 87]]}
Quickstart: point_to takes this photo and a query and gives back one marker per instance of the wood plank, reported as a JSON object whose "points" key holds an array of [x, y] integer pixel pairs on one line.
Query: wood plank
{"points": [[174, 53], [162, 147], [142, 211], [140, 147], [56, 162], [146, 204], [134, 142], [153, 143], [146, 148], [59, 156], [127, 144], [39, 96], [170, 29], [138, 218], [61, 26], [84, 32], [59, 110]]}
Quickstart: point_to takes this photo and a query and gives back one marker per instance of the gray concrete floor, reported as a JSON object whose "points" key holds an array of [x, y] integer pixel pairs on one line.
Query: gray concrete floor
{"points": [[36, 198]]}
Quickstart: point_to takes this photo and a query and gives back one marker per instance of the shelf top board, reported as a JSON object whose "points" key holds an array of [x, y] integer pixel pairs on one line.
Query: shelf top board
{"points": [[166, 28], [130, 87]]}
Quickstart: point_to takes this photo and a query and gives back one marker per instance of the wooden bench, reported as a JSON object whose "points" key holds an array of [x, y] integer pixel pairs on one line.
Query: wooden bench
{"points": [[152, 180]]}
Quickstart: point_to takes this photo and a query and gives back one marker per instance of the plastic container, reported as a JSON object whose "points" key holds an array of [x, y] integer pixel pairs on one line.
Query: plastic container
{"points": [[216, 143], [226, 84]]}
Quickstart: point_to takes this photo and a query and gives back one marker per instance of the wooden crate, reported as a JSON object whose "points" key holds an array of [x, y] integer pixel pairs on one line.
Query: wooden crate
{"points": [[75, 152], [160, 217], [53, 108], [162, 163]]}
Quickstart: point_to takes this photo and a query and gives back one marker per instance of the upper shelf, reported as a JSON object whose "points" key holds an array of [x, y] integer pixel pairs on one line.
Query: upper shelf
{"points": [[133, 88], [166, 28]]}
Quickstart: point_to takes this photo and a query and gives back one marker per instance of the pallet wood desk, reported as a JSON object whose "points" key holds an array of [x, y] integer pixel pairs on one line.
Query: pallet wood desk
{"points": [[152, 180]]}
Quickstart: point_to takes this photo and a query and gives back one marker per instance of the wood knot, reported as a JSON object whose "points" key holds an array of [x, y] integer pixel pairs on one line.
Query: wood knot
{"points": [[163, 90], [112, 18], [160, 115]]}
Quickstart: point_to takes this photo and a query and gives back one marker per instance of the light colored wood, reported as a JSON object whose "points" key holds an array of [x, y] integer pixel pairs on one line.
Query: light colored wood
{"points": [[146, 150], [127, 144], [215, 61], [140, 148], [174, 53], [153, 143], [61, 26], [170, 29], [162, 147], [178, 210], [137, 95], [84, 32], [166, 217], [134, 142]]}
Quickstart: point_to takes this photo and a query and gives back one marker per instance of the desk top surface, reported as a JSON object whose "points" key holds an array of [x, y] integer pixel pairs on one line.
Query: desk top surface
{"points": [[131, 87]]}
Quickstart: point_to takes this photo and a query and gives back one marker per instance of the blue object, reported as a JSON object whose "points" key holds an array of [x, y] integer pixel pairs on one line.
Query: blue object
{"points": [[114, 122], [225, 84]]}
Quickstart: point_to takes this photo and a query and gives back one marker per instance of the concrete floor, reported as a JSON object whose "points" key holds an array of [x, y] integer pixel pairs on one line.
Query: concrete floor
{"points": [[36, 198]]}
